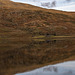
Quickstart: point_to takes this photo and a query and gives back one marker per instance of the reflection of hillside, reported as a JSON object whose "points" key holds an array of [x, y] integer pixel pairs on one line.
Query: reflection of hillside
{"points": [[35, 53]]}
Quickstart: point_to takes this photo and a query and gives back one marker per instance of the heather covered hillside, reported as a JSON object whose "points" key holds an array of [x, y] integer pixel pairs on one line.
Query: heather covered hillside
{"points": [[32, 37], [35, 19]]}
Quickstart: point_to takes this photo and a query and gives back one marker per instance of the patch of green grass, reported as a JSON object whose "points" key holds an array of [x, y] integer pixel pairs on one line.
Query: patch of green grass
{"points": [[36, 37]]}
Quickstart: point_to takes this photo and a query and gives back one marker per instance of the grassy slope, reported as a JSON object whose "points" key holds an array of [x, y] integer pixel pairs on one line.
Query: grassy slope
{"points": [[18, 22], [36, 20]]}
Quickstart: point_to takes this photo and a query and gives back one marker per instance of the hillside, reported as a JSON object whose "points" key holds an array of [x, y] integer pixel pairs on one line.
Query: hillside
{"points": [[35, 19], [19, 23]]}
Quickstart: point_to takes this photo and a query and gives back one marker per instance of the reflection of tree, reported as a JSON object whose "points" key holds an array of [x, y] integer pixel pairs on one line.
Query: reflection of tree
{"points": [[55, 69], [51, 68]]}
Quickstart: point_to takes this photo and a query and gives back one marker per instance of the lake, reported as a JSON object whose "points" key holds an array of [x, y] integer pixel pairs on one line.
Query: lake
{"points": [[66, 68], [54, 56]]}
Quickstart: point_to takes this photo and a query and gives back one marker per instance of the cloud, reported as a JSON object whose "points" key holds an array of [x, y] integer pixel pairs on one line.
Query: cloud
{"points": [[63, 5]]}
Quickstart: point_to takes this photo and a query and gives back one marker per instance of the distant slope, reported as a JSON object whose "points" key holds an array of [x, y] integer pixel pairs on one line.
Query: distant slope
{"points": [[36, 20]]}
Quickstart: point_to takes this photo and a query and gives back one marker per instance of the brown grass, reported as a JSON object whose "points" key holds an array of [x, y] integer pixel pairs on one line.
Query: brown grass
{"points": [[19, 23], [30, 18]]}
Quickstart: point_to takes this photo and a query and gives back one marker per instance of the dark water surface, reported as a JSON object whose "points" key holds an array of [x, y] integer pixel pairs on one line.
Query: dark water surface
{"points": [[18, 57]]}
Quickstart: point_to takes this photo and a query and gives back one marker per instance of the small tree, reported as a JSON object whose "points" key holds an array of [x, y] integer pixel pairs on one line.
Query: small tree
{"points": [[46, 4], [53, 4], [68, 0]]}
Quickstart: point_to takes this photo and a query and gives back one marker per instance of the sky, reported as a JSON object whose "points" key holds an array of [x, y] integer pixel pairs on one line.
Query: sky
{"points": [[64, 5]]}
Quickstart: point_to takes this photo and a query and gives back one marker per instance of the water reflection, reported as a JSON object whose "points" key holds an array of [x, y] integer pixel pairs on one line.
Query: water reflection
{"points": [[50, 68], [19, 58], [66, 68]]}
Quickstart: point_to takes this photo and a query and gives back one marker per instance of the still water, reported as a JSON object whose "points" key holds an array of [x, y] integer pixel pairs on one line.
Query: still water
{"points": [[17, 57], [66, 68]]}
